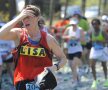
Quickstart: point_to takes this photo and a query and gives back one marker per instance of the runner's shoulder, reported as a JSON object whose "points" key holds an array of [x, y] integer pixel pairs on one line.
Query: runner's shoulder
{"points": [[49, 37]]}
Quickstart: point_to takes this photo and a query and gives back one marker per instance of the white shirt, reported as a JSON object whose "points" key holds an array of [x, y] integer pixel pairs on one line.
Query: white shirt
{"points": [[74, 45]]}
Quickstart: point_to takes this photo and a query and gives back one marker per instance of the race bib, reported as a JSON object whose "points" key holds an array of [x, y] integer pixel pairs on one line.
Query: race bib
{"points": [[73, 43], [98, 46], [31, 86]]}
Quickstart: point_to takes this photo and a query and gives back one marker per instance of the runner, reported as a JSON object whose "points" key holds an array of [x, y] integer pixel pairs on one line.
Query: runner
{"points": [[59, 28], [105, 23], [83, 23], [98, 41], [75, 35], [35, 49], [5, 50], [105, 26], [6, 47], [43, 26]]}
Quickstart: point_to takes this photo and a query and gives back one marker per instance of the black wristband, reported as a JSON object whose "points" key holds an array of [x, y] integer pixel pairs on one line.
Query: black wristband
{"points": [[57, 66]]}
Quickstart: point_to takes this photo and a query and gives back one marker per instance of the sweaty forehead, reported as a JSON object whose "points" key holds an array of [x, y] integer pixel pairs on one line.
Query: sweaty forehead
{"points": [[95, 22]]}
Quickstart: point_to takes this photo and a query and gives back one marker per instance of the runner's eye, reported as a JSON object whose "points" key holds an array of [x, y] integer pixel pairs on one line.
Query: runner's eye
{"points": [[27, 17]]}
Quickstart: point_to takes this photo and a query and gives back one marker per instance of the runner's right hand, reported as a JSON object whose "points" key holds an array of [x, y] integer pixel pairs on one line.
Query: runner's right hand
{"points": [[25, 13]]}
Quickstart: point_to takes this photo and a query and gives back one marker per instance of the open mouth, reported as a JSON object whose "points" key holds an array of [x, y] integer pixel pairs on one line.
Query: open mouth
{"points": [[27, 25]]}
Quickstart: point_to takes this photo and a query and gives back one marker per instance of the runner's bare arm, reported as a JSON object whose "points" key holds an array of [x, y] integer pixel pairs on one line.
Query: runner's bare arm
{"points": [[65, 34], [7, 32], [82, 39], [104, 33], [54, 46]]}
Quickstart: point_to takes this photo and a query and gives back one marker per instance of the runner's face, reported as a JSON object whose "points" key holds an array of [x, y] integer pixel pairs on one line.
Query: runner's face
{"points": [[29, 20], [41, 23], [32, 19], [95, 25]]}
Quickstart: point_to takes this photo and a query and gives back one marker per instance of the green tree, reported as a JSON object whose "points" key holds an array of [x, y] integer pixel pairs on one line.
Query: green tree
{"points": [[7, 9], [4, 5], [12, 9]]}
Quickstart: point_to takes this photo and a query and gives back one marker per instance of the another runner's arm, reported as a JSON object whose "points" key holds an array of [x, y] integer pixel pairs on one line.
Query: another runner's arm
{"points": [[54, 46], [7, 31], [65, 34], [82, 39], [105, 36]]}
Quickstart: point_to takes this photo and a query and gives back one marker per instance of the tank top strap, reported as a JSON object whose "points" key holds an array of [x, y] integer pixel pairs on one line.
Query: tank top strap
{"points": [[23, 36]]}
